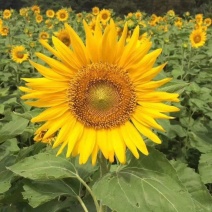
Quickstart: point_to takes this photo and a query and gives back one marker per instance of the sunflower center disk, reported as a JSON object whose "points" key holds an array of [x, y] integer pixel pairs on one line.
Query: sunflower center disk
{"points": [[102, 96]]}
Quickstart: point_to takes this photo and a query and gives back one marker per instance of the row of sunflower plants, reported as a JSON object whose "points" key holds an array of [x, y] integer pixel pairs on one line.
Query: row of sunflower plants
{"points": [[85, 121]]}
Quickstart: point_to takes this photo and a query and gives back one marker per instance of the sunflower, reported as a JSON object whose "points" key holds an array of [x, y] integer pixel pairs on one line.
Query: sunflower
{"points": [[6, 14], [50, 13], [199, 18], [49, 24], [23, 11], [197, 38], [62, 15], [35, 9], [138, 15], [39, 18], [4, 30], [44, 36], [19, 54], [95, 10], [104, 15], [99, 95], [63, 35], [207, 22]]}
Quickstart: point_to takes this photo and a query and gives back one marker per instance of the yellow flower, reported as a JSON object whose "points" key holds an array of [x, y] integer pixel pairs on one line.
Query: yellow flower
{"points": [[43, 36], [19, 54], [100, 96], [6, 14], [104, 15], [197, 38], [50, 13], [4, 30], [40, 135], [39, 18], [63, 35], [199, 18], [178, 24], [62, 15], [171, 13], [95, 10], [23, 11], [35, 9], [49, 24], [207, 22], [138, 15]]}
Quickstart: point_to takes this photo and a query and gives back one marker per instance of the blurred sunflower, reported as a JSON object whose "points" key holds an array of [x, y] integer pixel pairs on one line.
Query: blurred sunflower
{"points": [[104, 15], [49, 24], [39, 18], [197, 38], [50, 13], [199, 18], [4, 30], [44, 36], [6, 14], [207, 22], [19, 54], [95, 10], [62, 15], [100, 95], [63, 35], [35, 9], [138, 15], [23, 11]]}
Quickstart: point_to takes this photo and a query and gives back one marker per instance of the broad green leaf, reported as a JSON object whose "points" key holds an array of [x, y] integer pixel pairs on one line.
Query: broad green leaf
{"points": [[205, 167], [39, 192], [13, 128], [147, 184], [8, 147], [44, 166], [192, 181], [201, 141], [6, 175]]}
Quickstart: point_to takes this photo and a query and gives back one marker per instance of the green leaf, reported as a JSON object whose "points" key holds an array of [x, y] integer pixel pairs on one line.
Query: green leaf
{"points": [[6, 176], [44, 166], [192, 181], [205, 167], [147, 184], [201, 141], [41, 192], [13, 128]]}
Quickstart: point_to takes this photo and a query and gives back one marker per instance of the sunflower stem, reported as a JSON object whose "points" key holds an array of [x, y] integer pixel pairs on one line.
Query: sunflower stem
{"points": [[90, 191], [104, 169], [82, 204]]}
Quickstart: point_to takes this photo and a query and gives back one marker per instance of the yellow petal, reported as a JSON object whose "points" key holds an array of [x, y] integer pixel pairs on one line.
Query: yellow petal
{"points": [[146, 131], [49, 73], [118, 145], [102, 141], [128, 140], [74, 135], [160, 107], [136, 138], [87, 144], [51, 113]]}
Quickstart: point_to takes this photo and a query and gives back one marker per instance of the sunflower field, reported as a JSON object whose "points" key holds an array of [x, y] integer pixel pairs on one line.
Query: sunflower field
{"points": [[103, 113]]}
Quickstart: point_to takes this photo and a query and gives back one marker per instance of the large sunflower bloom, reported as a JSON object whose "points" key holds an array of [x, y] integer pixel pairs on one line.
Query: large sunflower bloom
{"points": [[197, 38], [99, 95]]}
